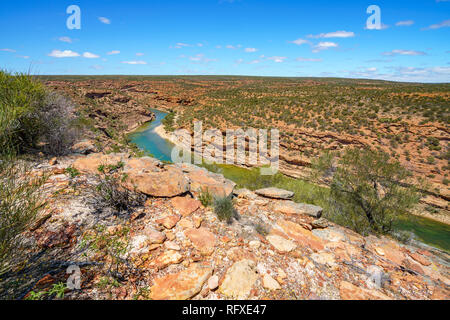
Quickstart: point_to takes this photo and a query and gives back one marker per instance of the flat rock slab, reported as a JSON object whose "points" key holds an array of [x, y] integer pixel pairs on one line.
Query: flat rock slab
{"points": [[166, 259], [185, 205], [275, 193], [349, 291], [202, 239], [202, 180], [281, 244], [182, 285], [169, 222], [239, 279], [90, 163], [290, 207], [302, 236]]}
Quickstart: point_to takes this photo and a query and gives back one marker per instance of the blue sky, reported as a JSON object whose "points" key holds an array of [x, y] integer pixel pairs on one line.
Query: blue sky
{"points": [[229, 37]]}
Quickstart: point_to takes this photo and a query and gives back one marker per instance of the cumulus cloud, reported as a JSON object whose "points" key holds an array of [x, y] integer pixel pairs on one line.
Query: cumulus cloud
{"points": [[251, 49], [104, 20], [65, 39], [63, 54], [404, 53], [134, 62], [324, 46], [336, 34], [200, 58], [443, 24], [299, 42], [89, 55], [405, 23], [113, 52]]}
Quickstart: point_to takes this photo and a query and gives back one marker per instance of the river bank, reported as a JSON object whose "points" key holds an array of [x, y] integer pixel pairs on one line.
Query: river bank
{"points": [[420, 211], [156, 140]]}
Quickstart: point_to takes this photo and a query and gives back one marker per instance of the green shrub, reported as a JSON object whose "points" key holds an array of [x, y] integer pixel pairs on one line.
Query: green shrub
{"points": [[205, 198], [20, 202], [110, 193], [31, 115], [369, 192], [224, 209]]}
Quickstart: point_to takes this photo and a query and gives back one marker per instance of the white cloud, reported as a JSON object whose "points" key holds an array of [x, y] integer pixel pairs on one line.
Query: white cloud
{"points": [[373, 69], [180, 45], [89, 55], [251, 49], [443, 24], [65, 39], [8, 50], [299, 42], [63, 54], [134, 62], [277, 59], [233, 47], [324, 46], [139, 54], [404, 53], [374, 27], [405, 23], [200, 58], [96, 67], [308, 59], [336, 34], [104, 20], [113, 52]]}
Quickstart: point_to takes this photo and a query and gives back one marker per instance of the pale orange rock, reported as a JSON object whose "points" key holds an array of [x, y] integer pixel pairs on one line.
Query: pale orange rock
{"points": [[301, 235], [185, 205], [182, 285], [202, 239], [169, 222], [167, 258], [349, 291]]}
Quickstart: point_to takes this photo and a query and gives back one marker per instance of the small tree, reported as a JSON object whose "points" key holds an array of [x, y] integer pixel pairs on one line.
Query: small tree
{"points": [[368, 191]]}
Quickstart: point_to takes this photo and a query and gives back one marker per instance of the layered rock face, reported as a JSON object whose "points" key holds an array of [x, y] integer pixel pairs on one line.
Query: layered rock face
{"points": [[178, 249]]}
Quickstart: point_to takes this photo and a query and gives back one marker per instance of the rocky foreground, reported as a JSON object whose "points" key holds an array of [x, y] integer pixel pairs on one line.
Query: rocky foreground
{"points": [[174, 248]]}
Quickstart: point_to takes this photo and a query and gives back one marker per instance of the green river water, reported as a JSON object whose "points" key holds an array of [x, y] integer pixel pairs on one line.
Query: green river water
{"points": [[425, 230]]}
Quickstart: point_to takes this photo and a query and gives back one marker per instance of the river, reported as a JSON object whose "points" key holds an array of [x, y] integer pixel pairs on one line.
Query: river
{"points": [[428, 231]]}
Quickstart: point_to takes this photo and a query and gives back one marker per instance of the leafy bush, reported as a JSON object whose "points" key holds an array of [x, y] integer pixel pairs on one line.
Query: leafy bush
{"points": [[29, 115], [110, 193], [369, 192], [224, 209], [205, 198], [20, 202]]}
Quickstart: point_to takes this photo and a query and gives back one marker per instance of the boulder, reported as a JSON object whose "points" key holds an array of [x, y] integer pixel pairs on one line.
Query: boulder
{"points": [[182, 285], [203, 180], [349, 291], [275, 193], [301, 235], [290, 207], [84, 147], [91, 163], [169, 222], [150, 177], [153, 236], [166, 259], [239, 280], [270, 283], [281, 244], [202, 239], [185, 205]]}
